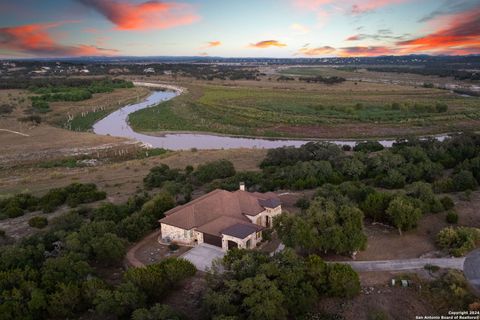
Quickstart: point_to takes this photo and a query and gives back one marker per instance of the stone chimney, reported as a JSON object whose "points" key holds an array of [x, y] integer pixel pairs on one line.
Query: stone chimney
{"points": [[242, 186]]}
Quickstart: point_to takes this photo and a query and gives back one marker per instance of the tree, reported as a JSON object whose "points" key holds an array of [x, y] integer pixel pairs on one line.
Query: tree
{"points": [[325, 226], [210, 171], [108, 212], [156, 207], [155, 280], [403, 214], [393, 180], [121, 301], [316, 272], [375, 206], [65, 301], [65, 269], [353, 168], [108, 249], [261, 299], [343, 281], [157, 312]]}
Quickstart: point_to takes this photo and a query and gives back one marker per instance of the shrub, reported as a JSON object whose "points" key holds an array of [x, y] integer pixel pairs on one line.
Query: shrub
{"points": [[441, 107], [464, 180], [53, 199], [452, 217], [36, 119], [451, 292], [369, 146], [447, 202], [3, 234], [458, 241], [267, 234], [6, 109], [173, 247], [443, 185], [160, 174], [431, 267], [302, 203], [41, 106], [13, 212], [38, 222], [346, 147]]}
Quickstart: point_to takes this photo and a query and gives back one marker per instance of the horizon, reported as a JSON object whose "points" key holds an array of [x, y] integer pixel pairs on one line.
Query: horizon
{"points": [[234, 57], [285, 29]]}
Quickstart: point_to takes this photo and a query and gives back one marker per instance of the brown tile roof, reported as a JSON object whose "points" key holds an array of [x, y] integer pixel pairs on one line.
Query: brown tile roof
{"points": [[218, 226], [218, 203], [241, 230]]}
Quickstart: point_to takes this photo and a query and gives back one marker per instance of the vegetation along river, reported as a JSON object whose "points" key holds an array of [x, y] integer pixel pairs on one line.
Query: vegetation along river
{"points": [[116, 124]]}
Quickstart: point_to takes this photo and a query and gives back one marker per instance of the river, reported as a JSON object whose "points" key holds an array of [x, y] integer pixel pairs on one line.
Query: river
{"points": [[116, 124]]}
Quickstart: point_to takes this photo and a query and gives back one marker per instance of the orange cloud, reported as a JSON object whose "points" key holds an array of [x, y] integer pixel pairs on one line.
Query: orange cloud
{"points": [[212, 44], [148, 15], [367, 51], [461, 36], [316, 51], [267, 44], [35, 39]]}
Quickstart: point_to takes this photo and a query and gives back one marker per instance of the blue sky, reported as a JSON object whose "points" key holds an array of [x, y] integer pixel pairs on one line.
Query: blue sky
{"points": [[247, 28]]}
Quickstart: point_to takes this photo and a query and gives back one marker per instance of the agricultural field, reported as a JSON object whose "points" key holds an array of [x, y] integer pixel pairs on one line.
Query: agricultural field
{"points": [[297, 109]]}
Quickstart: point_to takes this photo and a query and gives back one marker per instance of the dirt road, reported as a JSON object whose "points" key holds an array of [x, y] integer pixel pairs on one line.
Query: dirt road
{"points": [[406, 264]]}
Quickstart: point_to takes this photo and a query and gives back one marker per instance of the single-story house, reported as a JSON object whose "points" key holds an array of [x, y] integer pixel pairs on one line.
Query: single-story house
{"points": [[222, 218]]}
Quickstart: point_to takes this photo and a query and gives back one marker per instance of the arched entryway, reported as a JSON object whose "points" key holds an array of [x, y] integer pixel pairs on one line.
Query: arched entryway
{"points": [[268, 221], [232, 244]]}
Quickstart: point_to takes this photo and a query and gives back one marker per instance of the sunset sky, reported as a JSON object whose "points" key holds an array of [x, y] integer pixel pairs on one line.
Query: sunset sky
{"points": [[234, 28]]}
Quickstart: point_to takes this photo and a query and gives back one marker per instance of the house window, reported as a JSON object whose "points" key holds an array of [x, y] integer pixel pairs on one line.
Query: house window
{"points": [[259, 234]]}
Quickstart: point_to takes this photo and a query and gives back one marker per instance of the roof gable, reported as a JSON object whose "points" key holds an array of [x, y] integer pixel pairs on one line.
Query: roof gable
{"points": [[218, 203]]}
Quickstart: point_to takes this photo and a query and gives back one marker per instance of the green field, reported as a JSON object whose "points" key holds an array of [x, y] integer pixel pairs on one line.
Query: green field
{"points": [[260, 111]]}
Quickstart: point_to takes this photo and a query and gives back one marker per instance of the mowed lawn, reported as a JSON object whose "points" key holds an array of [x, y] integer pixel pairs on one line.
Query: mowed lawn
{"points": [[265, 111]]}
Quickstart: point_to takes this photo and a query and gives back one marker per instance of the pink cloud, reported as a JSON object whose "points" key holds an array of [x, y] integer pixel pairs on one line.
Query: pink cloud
{"points": [[35, 39], [148, 15], [459, 34]]}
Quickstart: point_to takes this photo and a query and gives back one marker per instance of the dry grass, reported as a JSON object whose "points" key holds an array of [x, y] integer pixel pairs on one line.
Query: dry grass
{"points": [[119, 180]]}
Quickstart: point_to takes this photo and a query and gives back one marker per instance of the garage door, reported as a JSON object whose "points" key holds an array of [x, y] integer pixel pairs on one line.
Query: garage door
{"points": [[213, 240]]}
